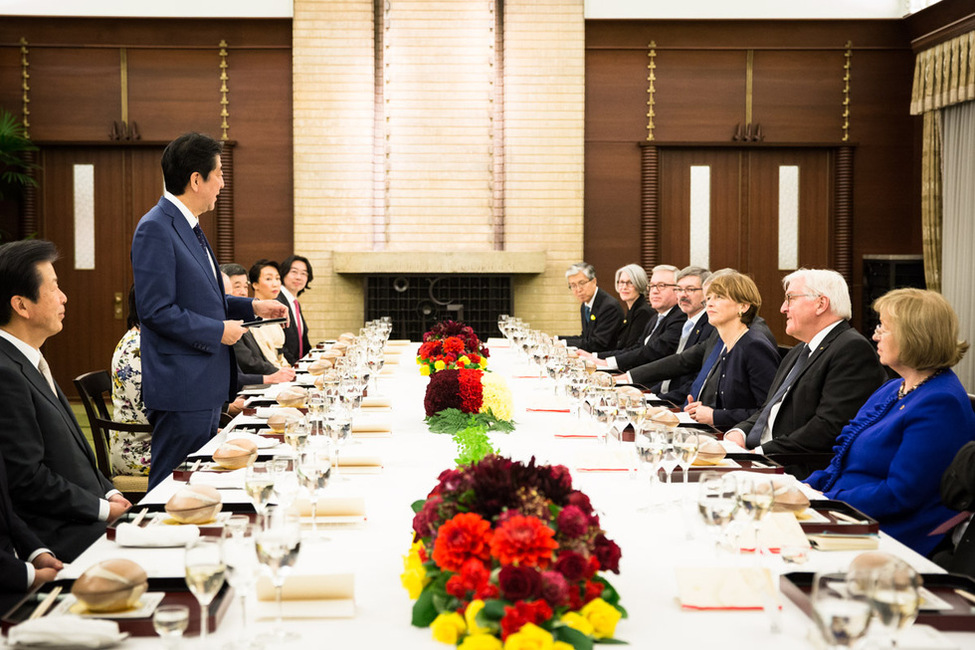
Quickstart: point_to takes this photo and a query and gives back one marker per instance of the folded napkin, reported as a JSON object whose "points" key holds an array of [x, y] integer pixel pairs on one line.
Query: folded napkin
{"points": [[837, 542], [66, 631], [724, 462], [605, 459], [155, 536], [379, 401], [587, 436], [778, 530], [388, 369], [371, 427], [391, 357], [262, 442], [723, 587], [309, 596], [233, 480], [333, 507], [360, 464]]}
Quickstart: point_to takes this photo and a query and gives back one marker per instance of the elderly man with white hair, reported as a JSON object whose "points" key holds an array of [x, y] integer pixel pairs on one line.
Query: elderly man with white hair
{"points": [[822, 382]]}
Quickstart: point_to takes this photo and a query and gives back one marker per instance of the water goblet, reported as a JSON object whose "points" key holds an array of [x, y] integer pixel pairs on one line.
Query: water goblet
{"points": [[204, 574], [895, 598], [240, 558], [667, 437], [259, 483], [686, 442], [285, 482], [605, 409], [717, 502], [842, 614], [338, 423], [297, 430], [650, 453], [314, 470], [277, 544], [170, 621]]}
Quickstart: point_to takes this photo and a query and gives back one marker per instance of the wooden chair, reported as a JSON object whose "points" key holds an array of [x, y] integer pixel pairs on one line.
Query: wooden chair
{"points": [[92, 387]]}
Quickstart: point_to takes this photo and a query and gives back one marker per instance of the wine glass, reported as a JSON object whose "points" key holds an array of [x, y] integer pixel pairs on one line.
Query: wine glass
{"points": [[170, 621], [667, 437], [204, 574], [842, 614], [686, 443], [575, 388], [278, 543], [338, 424], [895, 597], [605, 408], [240, 558], [258, 483], [285, 482], [314, 470], [297, 430], [756, 496], [650, 453], [717, 502]]}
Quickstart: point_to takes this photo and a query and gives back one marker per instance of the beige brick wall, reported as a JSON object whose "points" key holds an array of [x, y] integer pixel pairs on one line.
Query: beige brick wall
{"points": [[333, 156]]}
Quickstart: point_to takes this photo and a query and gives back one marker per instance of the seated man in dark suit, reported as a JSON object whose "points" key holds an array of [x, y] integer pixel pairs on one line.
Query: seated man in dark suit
{"points": [[296, 277], [662, 334], [24, 561], [690, 300], [958, 493], [823, 381], [54, 483], [601, 314]]}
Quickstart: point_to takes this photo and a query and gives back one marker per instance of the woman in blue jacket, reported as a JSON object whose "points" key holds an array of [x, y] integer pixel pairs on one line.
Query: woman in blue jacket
{"points": [[890, 457]]}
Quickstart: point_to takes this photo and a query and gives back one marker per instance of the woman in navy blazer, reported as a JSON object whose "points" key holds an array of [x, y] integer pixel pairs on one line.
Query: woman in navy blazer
{"points": [[631, 286], [890, 457], [736, 384]]}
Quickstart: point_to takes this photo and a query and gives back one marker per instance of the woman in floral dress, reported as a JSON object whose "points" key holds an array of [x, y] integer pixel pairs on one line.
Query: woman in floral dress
{"points": [[129, 452]]}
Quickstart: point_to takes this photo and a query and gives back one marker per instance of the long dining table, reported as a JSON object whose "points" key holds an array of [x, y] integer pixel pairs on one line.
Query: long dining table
{"points": [[653, 543]]}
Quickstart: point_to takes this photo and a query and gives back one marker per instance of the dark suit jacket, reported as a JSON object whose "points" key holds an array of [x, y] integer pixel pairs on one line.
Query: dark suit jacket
{"points": [[689, 361], [290, 349], [739, 385], [681, 384], [958, 493], [634, 322], [599, 332], [15, 537], [250, 358], [54, 483], [663, 342], [841, 373], [182, 307]]}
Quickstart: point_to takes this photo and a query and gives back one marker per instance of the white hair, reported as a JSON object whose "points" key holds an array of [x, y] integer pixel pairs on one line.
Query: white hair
{"points": [[825, 282]]}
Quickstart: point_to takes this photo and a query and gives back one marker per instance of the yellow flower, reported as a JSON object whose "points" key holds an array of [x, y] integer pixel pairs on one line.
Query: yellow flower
{"points": [[412, 559], [577, 621], [592, 316], [464, 359], [425, 370], [480, 642], [439, 364], [562, 645], [414, 580], [529, 637], [470, 617], [496, 396], [603, 617], [448, 627]]}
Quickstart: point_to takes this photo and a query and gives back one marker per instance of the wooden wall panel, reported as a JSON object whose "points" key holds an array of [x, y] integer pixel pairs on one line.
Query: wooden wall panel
{"points": [[174, 92], [611, 234], [700, 95], [615, 79], [795, 107]]}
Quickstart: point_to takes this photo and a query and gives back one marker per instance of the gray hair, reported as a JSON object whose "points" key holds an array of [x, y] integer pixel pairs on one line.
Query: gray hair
{"points": [[637, 276], [716, 274], [698, 272], [582, 267], [665, 267], [825, 282]]}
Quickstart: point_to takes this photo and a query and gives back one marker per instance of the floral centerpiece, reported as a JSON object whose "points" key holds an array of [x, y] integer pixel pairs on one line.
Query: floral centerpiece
{"points": [[508, 555], [467, 404], [449, 345]]}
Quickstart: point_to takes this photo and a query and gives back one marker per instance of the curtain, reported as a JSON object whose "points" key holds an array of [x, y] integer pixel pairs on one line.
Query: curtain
{"points": [[958, 270], [944, 75], [931, 215]]}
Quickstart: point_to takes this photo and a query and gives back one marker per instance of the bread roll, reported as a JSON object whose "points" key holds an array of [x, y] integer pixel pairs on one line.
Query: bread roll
{"points": [[278, 419], [630, 391], [111, 585], [195, 504], [347, 337], [790, 500], [603, 379], [293, 396], [710, 452], [664, 417], [320, 366], [235, 453]]}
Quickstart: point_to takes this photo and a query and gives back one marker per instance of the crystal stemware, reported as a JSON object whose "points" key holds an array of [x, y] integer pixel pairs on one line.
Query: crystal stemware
{"points": [[314, 471], [841, 614], [204, 575], [259, 483], [240, 558], [170, 621], [277, 544], [717, 502]]}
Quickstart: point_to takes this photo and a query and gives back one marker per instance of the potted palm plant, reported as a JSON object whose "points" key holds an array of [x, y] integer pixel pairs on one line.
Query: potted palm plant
{"points": [[15, 167]]}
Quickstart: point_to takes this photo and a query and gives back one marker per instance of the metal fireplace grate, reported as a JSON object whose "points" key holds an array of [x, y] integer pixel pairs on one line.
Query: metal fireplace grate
{"points": [[417, 302]]}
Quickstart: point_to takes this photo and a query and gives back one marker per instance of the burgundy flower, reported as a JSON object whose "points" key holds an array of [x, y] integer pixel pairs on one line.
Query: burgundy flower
{"points": [[519, 582], [580, 500], [608, 553], [571, 565], [555, 589], [425, 521], [572, 522]]}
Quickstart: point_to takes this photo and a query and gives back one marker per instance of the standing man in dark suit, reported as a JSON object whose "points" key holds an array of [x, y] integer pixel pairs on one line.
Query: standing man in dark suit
{"points": [[601, 314], [54, 484], [662, 334], [823, 381], [188, 324], [296, 277]]}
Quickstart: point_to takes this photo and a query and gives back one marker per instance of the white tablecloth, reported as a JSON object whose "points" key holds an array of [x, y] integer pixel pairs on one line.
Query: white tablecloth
{"points": [[652, 544]]}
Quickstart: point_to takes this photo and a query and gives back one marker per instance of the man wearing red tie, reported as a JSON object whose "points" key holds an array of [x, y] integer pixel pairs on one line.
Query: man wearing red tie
{"points": [[296, 275]]}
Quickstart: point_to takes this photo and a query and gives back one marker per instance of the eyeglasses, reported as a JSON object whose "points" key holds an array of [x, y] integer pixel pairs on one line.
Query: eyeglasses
{"points": [[579, 285], [789, 297], [624, 283], [688, 290], [880, 330], [660, 286]]}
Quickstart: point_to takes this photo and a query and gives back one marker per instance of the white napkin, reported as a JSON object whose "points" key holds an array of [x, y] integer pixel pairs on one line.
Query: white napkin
{"points": [[155, 536], [262, 442], [66, 631], [228, 480]]}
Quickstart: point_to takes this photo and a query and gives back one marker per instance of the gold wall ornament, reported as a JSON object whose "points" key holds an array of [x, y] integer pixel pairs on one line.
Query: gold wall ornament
{"points": [[224, 114], [651, 89], [847, 66], [25, 84]]}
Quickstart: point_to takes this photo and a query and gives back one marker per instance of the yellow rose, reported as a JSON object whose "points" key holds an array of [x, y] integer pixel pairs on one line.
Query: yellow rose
{"points": [[529, 637], [439, 364], [562, 645], [414, 580], [603, 617], [470, 617], [480, 642], [464, 359], [425, 370], [577, 621], [412, 559], [448, 627]]}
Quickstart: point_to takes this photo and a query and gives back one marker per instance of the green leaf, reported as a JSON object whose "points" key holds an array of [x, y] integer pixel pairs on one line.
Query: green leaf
{"points": [[572, 636], [494, 609], [418, 505], [423, 610], [612, 641]]}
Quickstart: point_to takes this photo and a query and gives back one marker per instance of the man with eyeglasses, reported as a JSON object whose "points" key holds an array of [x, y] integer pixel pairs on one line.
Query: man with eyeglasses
{"points": [[601, 314], [661, 335], [823, 381]]}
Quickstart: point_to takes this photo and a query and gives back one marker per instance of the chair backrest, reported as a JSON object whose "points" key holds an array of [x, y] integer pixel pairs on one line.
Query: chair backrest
{"points": [[92, 387], [971, 398]]}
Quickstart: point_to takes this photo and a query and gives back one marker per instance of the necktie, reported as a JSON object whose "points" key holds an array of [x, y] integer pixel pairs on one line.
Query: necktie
{"points": [[706, 370], [203, 244], [755, 435], [585, 318], [298, 328], [653, 329], [685, 333], [45, 371]]}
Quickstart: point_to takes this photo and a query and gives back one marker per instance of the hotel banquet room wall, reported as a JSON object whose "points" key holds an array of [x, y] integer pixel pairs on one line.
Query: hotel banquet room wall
{"points": [[575, 101]]}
